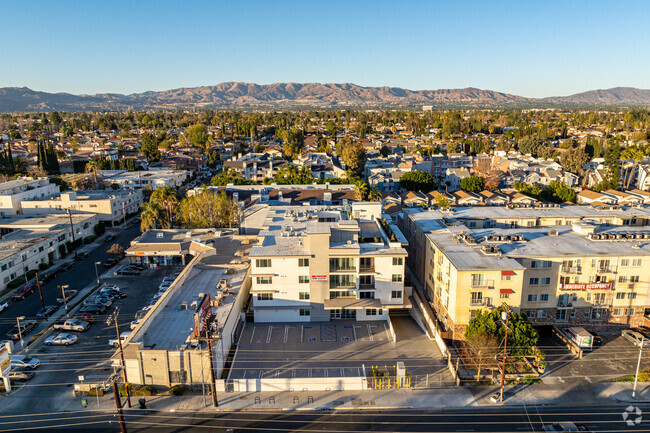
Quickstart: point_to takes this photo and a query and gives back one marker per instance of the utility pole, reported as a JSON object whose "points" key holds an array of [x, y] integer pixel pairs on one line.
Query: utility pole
{"points": [[505, 315], [118, 406], [638, 364], [40, 293], [72, 231], [215, 403], [110, 319]]}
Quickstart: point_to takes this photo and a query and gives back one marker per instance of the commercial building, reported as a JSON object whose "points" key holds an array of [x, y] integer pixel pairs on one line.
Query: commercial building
{"points": [[169, 247], [168, 347], [110, 206], [14, 192], [590, 268], [30, 242], [147, 179], [319, 263]]}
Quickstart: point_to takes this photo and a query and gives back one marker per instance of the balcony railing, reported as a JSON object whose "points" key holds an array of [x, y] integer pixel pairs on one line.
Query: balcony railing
{"points": [[571, 269], [564, 304], [367, 268], [485, 284], [606, 269], [366, 286], [484, 302], [343, 268]]}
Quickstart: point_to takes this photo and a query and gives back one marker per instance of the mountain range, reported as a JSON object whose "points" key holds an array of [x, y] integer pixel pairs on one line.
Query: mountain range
{"points": [[234, 95]]}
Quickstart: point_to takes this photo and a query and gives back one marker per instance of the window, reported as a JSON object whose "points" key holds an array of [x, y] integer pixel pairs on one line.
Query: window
{"points": [[622, 279], [366, 295], [620, 296], [343, 264], [596, 314], [634, 279], [478, 280], [397, 278], [3, 267], [303, 263], [342, 281], [506, 277], [264, 280], [305, 312], [565, 280], [561, 315], [265, 296], [547, 264], [546, 281], [629, 312], [534, 264], [532, 298], [366, 263], [303, 296], [636, 262], [398, 261], [504, 295], [396, 294], [366, 280], [303, 279], [618, 311], [541, 314], [543, 297], [371, 312], [533, 281], [625, 262], [343, 294], [263, 263], [599, 298], [631, 295]]}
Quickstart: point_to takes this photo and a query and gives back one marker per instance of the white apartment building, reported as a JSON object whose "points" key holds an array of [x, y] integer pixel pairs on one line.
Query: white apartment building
{"points": [[317, 263], [14, 192], [110, 206], [147, 179]]}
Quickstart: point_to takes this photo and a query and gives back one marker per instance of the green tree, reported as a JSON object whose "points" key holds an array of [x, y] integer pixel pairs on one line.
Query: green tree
{"points": [[522, 337], [442, 201], [167, 199], [573, 159], [417, 181], [198, 135], [151, 215], [472, 184], [354, 157], [149, 147], [612, 162], [530, 145], [92, 166], [230, 176], [384, 151], [558, 192], [207, 209]]}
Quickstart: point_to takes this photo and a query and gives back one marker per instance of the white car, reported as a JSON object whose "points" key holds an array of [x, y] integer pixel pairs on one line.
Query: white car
{"points": [[3, 307], [135, 323], [123, 336], [635, 337], [169, 279], [24, 361], [61, 340], [164, 286], [109, 288]]}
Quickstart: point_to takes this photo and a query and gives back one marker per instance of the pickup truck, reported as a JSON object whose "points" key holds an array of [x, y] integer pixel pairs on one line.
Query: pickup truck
{"points": [[72, 325], [123, 336], [25, 328], [69, 294]]}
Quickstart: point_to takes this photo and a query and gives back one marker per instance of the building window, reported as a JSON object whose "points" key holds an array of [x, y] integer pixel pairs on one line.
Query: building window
{"points": [[533, 281], [596, 314], [343, 294], [265, 296], [303, 263], [303, 279], [506, 277], [263, 263], [396, 294], [541, 314], [620, 295], [622, 279], [397, 278], [547, 264], [543, 297], [634, 279], [366, 295], [546, 281], [534, 264], [371, 311], [625, 262], [636, 262], [631, 295], [478, 280], [532, 298], [398, 261], [565, 280], [504, 295], [303, 296], [629, 312], [264, 280], [366, 280], [305, 312], [561, 315]]}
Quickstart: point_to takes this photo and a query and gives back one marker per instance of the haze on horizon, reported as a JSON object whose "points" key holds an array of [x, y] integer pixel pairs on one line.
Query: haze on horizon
{"points": [[550, 48]]}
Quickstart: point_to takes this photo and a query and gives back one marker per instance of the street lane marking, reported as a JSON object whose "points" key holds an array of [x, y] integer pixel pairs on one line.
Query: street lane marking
{"points": [[252, 334]]}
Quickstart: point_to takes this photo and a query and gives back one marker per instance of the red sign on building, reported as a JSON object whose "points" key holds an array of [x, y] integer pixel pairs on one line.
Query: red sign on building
{"points": [[590, 286]]}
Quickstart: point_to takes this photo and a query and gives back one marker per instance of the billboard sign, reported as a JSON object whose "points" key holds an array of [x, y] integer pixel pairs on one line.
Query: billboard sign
{"points": [[590, 286], [202, 311]]}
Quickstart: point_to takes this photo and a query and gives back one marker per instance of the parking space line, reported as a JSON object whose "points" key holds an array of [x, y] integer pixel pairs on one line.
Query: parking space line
{"points": [[268, 335], [302, 334], [386, 329], [252, 334], [354, 331], [370, 336], [286, 333]]}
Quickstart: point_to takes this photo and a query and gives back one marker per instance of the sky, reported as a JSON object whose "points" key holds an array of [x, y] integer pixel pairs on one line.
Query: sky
{"points": [[525, 47]]}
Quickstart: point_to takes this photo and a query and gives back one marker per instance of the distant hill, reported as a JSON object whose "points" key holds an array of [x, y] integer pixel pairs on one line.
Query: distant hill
{"points": [[308, 95]]}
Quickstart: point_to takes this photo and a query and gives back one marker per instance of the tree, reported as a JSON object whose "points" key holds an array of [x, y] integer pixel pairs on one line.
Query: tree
{"points": [[558, 192], [93, 165], [442, 201], [230, 176], [149, 147], [493, 180], [361, 189], [198, 135], [417, 181], [374, 195], [472, 184], [167, 199], [530, 145], [483, 349], [354, 157], [207, 209], [612, 161], [116, 250], [573, 159], [522, 337], [150, 216], [384, 151]]}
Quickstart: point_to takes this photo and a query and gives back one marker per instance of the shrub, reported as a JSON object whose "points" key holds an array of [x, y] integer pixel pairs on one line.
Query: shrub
{"points": [[99, 229], [89, 239], [177, 390], [145, 391], [43, 266], [16, 283], [95, 391]]}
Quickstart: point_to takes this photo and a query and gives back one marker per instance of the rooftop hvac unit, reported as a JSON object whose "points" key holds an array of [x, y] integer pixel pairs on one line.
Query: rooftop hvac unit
{"points": [[552, 232]]}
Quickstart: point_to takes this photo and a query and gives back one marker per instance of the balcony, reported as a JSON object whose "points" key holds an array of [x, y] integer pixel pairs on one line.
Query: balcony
{"points": [[343, 268], [606, 269], [485, 284], [483, 302], [564, 304], [571, 270], [367, 269], [366, 286]]}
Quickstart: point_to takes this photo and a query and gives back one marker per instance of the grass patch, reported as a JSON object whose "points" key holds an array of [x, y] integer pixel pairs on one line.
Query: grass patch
{"points": [[644, 376]]}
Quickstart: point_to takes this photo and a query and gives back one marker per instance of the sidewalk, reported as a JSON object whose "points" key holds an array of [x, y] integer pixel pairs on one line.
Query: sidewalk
{"points": [[464, 396]]}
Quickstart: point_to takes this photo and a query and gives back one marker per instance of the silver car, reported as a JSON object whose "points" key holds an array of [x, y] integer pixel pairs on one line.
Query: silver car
{"points": [[61, 340], [635, 338], [24, 361]]}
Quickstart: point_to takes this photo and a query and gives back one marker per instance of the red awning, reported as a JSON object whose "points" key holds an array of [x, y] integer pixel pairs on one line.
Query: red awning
{"points": [[506, 291], [507, 273]]}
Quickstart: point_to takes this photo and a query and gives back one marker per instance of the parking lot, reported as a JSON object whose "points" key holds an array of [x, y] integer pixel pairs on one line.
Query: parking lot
{"points": [[330, 349], [615, 358], [61, 366]]}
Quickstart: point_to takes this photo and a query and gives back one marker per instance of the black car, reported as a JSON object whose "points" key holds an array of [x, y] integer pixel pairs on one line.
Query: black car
{"points": [[93, 309], [110, 262], [46, 312], [127, 271], [47, 276], [66, 266], [115, 294], [82, 255], [597, 340], [110, 237], [136, 266]]}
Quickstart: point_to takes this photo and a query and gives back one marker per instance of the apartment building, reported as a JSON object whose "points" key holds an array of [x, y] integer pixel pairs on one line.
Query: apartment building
{"points": [[110, 206], [587, 272], [147, 179], [14, 192], [320, 263]]}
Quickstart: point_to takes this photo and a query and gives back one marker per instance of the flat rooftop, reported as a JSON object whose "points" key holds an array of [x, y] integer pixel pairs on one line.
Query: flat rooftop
{"points": [[169, 326]]}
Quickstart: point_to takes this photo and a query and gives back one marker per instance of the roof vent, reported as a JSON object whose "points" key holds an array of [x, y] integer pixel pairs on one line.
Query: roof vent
{"points": [[552, 232], [159, 235]]}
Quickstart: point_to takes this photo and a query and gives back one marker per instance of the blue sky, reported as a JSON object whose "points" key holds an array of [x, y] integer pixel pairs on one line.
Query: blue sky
{"points": [[529, 48]]}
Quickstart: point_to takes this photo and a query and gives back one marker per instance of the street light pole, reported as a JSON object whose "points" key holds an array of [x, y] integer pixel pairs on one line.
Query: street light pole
{"points": [[505, 345], [20, 333], [638, 365], [65, 300], [96, 272]]}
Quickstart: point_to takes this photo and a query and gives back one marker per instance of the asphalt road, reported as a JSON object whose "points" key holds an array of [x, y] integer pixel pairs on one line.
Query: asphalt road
{"points": [[485, 419], [77, 278]]}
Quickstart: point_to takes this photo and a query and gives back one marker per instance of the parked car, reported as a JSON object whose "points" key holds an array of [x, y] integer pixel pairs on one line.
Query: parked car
{"points": [[136, 266], [82, 255], [86, 317], [72, 325], [110, 262], [47, 276], [46, 312], [99, 299], [141, 313], [164, 286], [4, 306], [93, 309], [24, 361], [598, 339], [114, 294], [135, 324], [565, 427], [68, 295], [123, 336], [110, 287], [109, 237], [170, 279], [635, 338], [127, 271], [61, 340], [22, 292], [25, 328], [21, 373], [66, 266]]}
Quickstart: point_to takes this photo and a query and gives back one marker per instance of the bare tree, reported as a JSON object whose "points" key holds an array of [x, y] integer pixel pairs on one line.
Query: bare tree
{"points": [[482, 349]]}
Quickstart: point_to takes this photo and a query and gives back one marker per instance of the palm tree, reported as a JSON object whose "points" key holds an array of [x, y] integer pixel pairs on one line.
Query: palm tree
{"points": [[93, 165], [361, 190], [151, 214], [374, 195], [166, 197]]}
